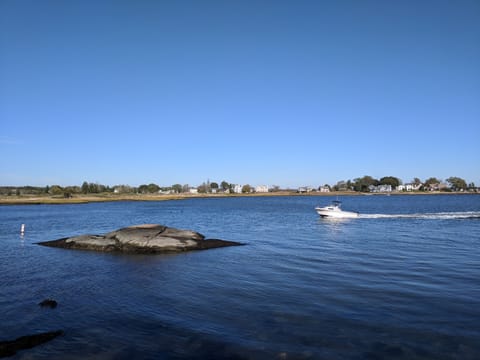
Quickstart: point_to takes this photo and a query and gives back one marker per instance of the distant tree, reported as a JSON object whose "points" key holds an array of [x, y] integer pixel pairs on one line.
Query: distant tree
{"points": [[72, 190], [390, 180], [349, 185], [246, 189], [148, 189], [177, 188], [56, 190], [457, 183], [142, 189], [204, 188], [416, 181], [431, 183], [471, 186], [85, 188], [432, 180], [213, 185], [362, 184], [275, 188], [340, 186], [153, 188], [92, 188], [225, 185], [186, 188]]}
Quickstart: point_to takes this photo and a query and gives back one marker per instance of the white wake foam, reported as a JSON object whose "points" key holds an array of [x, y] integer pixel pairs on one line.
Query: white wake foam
{"points": [[440, 215]]}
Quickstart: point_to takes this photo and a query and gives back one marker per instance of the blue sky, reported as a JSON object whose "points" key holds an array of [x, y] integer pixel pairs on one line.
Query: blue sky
{"points": [[286, 93]]}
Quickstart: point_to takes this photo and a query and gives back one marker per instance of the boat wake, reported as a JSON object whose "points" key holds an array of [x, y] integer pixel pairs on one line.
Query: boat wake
{"points": [[440, 215]]}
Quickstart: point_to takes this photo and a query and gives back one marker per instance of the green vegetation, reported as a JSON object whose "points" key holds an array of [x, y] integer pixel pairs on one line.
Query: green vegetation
{"points": [[246, 189], [363, 184], [431, 182], [148, 189], [368, 184], [457, 184], [390, 180]]}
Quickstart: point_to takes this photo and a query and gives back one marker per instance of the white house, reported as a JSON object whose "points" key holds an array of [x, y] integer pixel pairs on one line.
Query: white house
{"points": [[237, 189], [305, 189], [380, 188], [261, 189], [409, 187]]}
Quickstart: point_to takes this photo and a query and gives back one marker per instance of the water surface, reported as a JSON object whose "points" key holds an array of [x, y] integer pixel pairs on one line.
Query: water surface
{"points": [[401, 281]]}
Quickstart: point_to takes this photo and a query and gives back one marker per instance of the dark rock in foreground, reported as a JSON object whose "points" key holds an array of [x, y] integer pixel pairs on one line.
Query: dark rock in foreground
{"points": [[52, 304], [141, 239], [9, 348]]}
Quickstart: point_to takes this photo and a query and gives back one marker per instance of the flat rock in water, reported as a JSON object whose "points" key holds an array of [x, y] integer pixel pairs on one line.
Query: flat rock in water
{"points": [[141, 239]]}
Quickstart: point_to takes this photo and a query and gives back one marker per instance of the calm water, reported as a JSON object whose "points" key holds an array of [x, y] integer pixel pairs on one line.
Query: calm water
{"points": [[401, 282]]}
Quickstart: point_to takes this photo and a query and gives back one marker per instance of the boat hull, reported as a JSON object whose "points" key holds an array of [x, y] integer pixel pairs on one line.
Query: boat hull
{"points": [[327, 213]]}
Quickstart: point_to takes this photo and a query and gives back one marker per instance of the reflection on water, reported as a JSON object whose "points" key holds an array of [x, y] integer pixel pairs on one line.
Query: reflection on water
{"points": [[333, 226]]}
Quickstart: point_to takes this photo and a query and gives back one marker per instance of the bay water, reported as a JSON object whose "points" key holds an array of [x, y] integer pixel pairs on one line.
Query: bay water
{"points": [[402, 281]]}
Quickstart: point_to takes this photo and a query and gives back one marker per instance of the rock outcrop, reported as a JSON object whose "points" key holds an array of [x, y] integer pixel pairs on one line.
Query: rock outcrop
{"points": [[141, 239], [10, 347]]}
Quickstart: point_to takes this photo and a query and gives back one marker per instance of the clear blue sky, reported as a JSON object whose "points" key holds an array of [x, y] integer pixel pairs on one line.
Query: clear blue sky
{"points": [[284, 93]]}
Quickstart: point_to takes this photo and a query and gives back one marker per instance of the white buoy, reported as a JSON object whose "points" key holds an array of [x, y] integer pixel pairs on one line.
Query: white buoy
{"points": [[22, 229]]}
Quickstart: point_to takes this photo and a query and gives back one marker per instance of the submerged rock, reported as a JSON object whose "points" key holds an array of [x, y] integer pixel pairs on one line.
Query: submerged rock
{"points": [[141, 239], [52, 304], [9, 348]]}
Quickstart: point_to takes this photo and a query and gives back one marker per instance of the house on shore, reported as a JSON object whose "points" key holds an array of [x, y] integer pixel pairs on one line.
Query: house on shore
{"points": [[261, 189], [409, 187], [380, 188], [304, 189], [437, 187]]}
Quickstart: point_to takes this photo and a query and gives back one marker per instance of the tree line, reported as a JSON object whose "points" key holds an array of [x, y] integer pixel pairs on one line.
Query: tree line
{"points": [[361, 184], [96, 188], [364, 184]]}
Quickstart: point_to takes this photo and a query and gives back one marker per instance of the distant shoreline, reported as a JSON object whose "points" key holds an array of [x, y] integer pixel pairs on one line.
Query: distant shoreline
{"points": [[91, 198]]}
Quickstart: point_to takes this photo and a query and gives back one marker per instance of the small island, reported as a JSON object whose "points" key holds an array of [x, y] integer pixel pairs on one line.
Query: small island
{"points": [[141, 239]]}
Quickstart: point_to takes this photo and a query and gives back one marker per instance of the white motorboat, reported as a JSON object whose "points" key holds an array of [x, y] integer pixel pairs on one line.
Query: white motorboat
{"points": [[334, 211]]}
